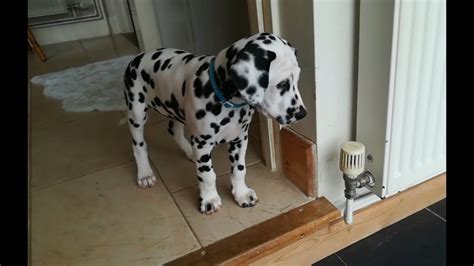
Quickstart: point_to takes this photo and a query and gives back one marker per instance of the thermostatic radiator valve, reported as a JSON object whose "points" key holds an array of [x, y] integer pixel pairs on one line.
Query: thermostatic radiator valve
{"points": [[352, 163]]}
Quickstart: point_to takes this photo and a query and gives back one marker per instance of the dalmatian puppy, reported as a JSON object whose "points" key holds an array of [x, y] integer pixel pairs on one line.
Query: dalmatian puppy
{"points": [[214, 97]]}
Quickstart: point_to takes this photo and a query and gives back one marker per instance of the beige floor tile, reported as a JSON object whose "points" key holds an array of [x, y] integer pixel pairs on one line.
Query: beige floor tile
{"points": [[275, 193], [79, 147], [108, 47], [59, 57], [173, 166], [46, 111], [105, 219]]}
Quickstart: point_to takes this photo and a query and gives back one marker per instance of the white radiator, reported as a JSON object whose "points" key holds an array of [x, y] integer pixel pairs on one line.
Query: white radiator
{"points": [[401, 106]]}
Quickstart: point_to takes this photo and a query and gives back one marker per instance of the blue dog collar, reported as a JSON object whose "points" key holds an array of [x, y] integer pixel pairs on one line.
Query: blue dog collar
{"points": [[218, 92]]}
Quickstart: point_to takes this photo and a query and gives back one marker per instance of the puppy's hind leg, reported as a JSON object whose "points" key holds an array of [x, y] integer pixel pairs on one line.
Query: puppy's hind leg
{"points": [[137, 117], [176, 129]]}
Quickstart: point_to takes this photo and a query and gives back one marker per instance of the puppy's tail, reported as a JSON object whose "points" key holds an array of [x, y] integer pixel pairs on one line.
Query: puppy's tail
{"points": [[123, 121]]}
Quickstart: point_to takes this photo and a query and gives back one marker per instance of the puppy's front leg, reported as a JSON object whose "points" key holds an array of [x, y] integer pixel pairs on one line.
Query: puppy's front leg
{"points": [[243, 195], [209, 200]]}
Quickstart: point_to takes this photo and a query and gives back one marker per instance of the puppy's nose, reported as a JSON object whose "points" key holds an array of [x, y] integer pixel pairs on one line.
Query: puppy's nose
{"points": [[301, 114]]}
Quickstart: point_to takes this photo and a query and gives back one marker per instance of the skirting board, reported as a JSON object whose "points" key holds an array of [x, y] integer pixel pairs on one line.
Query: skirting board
{"points": [[367, 221]]}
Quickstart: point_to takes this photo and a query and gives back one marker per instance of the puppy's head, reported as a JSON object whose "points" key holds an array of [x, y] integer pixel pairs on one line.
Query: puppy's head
{"points": [[266, 73]]}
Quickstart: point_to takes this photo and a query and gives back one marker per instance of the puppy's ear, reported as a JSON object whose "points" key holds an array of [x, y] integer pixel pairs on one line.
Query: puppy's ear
{"points": [[250, 71]]}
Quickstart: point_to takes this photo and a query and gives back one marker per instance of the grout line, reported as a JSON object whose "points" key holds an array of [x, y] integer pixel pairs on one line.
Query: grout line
{"points": [[341, 259], [435, 214], [76, 177], [176, 203]]}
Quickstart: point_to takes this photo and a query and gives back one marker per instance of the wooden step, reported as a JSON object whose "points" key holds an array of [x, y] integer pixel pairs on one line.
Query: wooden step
{"points": [[264, 238]]}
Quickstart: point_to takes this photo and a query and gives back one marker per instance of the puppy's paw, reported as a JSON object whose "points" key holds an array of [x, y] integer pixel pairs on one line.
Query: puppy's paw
{"points": [[146, 181], [245, 197], [210, 205]]}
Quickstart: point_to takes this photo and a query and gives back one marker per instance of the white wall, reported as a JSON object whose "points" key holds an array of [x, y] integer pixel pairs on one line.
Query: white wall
{"points": [[335, 35], [119, 22]]}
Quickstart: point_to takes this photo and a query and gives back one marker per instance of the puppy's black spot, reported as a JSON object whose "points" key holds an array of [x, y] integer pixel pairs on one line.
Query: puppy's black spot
{"points": [[156, 66], [242, 114], [284, 86], [243, 56], [169, 66], [263, 80], [179, 52], [246, 137], [205, 158], [215, 127], [245, 205], [205, 137], [240, 81], [267, 41], [231, 114], [200, 180], [231, 158], [251, 90], [200, 114], [262, 38], [187, 58], [204, 168], [144, 88], [170, 127], [236, 156], [272, 38], [158, 102], [208, 90], [141, 97], [225, 121], [264, 34], [201, 58], [208, 207], [136, 61], [165, 64], [183, 88], [293, 101], [240, 167], [125, 97], [141, 144], [133, 74], [216, 109], [198, 90], [202, 68], [152, 84], [156, 55], [134, 142]]}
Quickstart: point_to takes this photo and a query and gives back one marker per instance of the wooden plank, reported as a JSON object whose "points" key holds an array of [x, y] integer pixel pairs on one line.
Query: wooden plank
{"points": [[298, 160], [367, 221], [264, 238]]}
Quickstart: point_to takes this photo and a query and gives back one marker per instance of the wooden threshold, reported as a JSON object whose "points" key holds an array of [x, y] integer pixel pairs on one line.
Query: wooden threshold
{"points": [[264, 238], [367, 221]]}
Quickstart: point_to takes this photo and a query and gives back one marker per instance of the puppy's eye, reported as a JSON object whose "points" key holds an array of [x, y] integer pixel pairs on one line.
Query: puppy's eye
{"points": [[285, 84]]}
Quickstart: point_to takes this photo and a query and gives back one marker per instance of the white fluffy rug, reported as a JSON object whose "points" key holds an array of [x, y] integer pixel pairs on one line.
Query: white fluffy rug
{"points": [[93, 87]]}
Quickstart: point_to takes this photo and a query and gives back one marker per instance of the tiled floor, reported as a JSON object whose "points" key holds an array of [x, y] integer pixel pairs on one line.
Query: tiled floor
{"points": [[419, 239], [86, 208]]}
